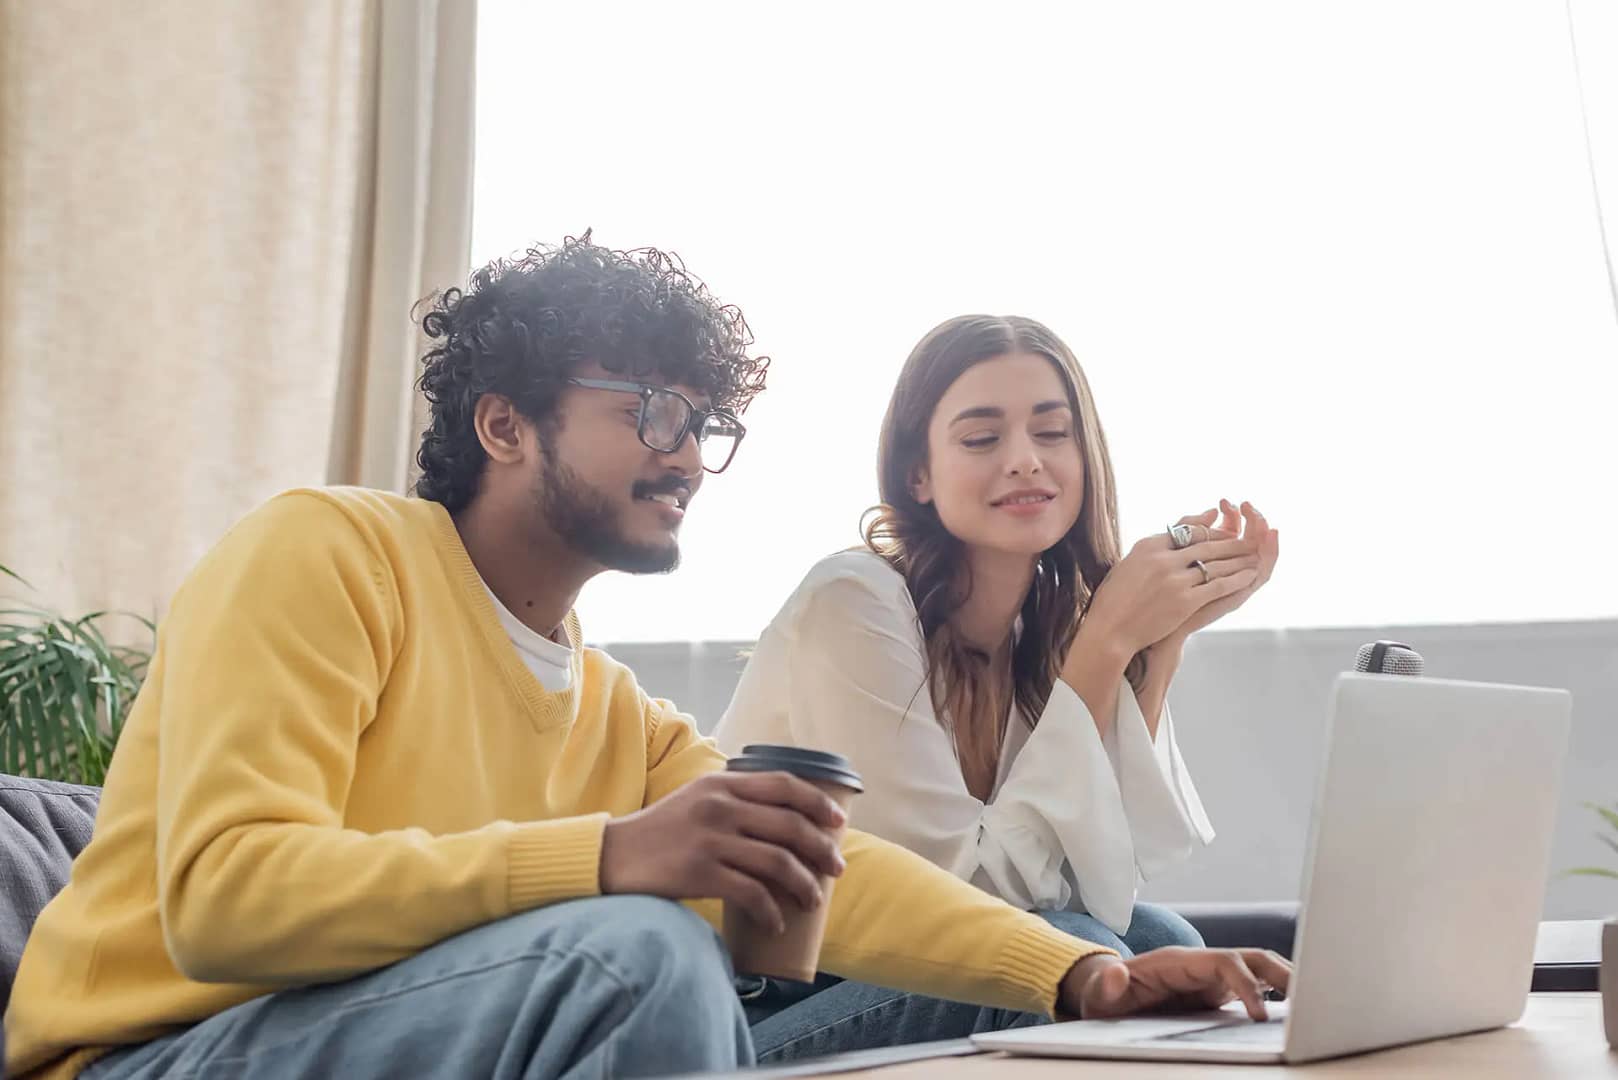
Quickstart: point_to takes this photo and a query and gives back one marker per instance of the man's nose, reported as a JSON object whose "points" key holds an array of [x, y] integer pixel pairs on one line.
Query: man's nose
{"points": [[685, 459]]}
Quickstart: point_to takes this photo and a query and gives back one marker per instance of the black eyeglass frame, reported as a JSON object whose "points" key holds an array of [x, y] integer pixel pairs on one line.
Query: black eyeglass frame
{"points": [[696, 419]]}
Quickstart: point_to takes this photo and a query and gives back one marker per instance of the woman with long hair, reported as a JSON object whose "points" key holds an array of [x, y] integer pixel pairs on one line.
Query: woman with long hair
{"points": [[991, 661]]}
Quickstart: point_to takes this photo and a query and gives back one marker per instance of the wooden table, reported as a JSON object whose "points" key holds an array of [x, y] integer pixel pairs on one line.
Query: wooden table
{"points": [[1558, 1036]]}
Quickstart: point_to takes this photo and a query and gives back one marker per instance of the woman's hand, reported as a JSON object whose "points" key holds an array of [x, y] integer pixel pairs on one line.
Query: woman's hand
{"points": [[1253, 529], [1155, 591]]}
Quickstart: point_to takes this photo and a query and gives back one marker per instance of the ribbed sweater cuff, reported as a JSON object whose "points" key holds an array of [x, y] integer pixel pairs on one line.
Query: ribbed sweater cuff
{"points": [[550, 861], [1034, 963]]}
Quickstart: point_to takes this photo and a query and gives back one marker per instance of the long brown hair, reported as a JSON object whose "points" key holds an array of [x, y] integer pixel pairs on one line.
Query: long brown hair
{"points": [[972, 693]]}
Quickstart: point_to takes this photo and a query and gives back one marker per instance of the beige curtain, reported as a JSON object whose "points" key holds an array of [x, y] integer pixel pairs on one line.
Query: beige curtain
{"points": [[214, 222]]}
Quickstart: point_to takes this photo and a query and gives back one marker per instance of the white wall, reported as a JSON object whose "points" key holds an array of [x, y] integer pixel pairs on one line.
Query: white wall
{"points": [[1338, 259]]}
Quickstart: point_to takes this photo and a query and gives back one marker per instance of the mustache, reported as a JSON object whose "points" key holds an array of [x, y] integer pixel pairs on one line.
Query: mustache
{"points": [[673, 485]]}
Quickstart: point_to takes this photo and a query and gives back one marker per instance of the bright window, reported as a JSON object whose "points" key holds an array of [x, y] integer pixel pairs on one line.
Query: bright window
{"points": [[1342, 260]]}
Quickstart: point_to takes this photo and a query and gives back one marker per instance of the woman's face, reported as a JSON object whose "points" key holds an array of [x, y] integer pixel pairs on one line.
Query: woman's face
{"points": [[1004, 468]]}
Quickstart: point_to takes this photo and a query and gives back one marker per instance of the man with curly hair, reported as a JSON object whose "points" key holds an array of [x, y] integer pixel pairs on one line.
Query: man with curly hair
{"points": [[378, 811]]}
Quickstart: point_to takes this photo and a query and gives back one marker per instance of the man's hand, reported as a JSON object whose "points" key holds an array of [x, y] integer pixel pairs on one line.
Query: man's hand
{"points": [[752, 839], [1103, 986]]}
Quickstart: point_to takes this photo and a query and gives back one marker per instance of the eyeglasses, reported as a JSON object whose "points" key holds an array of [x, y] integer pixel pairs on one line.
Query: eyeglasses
{"points": [[668, 416]]}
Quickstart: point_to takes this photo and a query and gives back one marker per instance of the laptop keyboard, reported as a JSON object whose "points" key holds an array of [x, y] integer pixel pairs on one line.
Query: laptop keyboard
{"points": [[1270, 1035]]}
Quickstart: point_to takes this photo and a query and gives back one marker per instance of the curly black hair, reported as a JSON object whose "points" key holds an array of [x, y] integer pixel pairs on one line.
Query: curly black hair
{"points": [[523, 325]]}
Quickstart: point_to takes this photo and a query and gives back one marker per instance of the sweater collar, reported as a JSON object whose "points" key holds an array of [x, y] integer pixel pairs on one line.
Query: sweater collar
{"points": [[545, 708]]}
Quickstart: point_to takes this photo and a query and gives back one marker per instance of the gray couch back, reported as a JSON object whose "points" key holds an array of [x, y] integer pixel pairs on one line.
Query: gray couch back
{"points": [[43, 826]]}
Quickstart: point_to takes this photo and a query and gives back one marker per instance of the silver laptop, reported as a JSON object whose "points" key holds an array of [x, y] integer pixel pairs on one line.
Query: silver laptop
{"points": [[1421, 893]]}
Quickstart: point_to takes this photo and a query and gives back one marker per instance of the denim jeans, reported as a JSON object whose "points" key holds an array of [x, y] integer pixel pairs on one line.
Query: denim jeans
{"points": [[1150, 927], [793, 1021], [606, 987]]}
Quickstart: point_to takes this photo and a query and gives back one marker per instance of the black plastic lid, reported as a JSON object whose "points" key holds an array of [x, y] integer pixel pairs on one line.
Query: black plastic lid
{"points": [[809, 764]]}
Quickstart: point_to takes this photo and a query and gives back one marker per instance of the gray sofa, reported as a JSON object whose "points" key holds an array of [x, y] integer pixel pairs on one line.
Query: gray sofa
{"points": [[43, 825]]}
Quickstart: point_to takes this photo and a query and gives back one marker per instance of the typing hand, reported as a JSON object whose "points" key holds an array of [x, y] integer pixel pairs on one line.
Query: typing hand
{"points": [[1103, 986]]}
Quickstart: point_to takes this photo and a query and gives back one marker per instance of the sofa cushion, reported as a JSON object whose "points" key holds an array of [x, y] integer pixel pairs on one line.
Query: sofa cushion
{"points": [[1244, 924], [43, 826]]}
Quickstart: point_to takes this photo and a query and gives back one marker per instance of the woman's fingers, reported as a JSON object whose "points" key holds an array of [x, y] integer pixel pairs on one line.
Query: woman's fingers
{"points": [[1217, 548], [1205, 519], [1225, 567], [1217, 587], [1231, 520]]}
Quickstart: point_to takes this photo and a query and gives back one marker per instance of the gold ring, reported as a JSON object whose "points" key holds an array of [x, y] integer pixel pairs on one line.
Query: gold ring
{"points": [[1206, 577]]}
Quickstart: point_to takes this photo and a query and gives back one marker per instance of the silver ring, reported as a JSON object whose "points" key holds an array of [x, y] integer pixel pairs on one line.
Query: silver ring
{"points": [[1206, 577], [1180, 536]]}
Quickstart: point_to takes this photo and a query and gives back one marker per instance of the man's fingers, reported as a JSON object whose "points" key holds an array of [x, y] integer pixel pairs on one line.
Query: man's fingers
{"points": [[1240, 981], [789, 829], [1273, 969], [784, 789], [776, 868], [735, 887], [1108, 994]]}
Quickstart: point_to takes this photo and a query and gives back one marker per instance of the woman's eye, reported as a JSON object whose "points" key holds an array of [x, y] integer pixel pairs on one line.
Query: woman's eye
{"points": [[979, 442], [1053, 435]]}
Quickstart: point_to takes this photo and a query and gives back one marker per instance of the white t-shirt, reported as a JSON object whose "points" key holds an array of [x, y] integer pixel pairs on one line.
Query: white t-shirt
{"points": [[1074, 820], [552, 664]]}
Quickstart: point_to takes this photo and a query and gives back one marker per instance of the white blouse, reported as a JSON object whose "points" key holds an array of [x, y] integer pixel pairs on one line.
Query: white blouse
{"points": [[1074, 821]]}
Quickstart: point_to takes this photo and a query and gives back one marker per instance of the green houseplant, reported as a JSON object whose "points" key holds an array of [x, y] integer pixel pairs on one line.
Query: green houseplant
{"points": [[1609, 819], [65, 691]]}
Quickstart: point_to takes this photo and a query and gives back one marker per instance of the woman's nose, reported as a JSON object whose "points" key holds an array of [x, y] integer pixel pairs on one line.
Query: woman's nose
{"points": [[1023, 458]]}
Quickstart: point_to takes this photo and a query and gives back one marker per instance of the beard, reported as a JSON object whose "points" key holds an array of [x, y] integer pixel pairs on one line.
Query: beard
{"points": [[587, 522]]}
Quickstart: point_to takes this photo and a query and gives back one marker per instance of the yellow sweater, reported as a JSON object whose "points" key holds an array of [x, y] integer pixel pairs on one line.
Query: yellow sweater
{"points": [[339, 759]]}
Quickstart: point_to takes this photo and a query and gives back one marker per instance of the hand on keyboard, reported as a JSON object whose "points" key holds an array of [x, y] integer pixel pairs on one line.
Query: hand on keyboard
{"points": [[1103, 986]]}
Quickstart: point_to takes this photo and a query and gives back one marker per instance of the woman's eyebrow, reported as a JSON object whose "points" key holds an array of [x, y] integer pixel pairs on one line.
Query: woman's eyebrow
{"points": [[995, 412]]}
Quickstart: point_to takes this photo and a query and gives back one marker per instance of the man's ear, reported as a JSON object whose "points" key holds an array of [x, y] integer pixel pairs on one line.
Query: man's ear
{"points": [[501, 429], [921, 485]]}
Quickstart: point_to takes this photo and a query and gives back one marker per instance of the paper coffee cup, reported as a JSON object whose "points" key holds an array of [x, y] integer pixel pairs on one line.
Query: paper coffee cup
{"points": [[795, 952]]}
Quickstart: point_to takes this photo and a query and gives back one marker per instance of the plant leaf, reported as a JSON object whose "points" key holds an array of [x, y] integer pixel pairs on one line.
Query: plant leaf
{"points": [[1592, 871], [39, 732], [1609, 816], [65, 692], [88, 679]]}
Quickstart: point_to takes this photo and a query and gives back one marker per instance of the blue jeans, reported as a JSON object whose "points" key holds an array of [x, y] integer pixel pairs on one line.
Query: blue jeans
{"points": [[1150, 927], [605, 987], [792, 1021]]}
